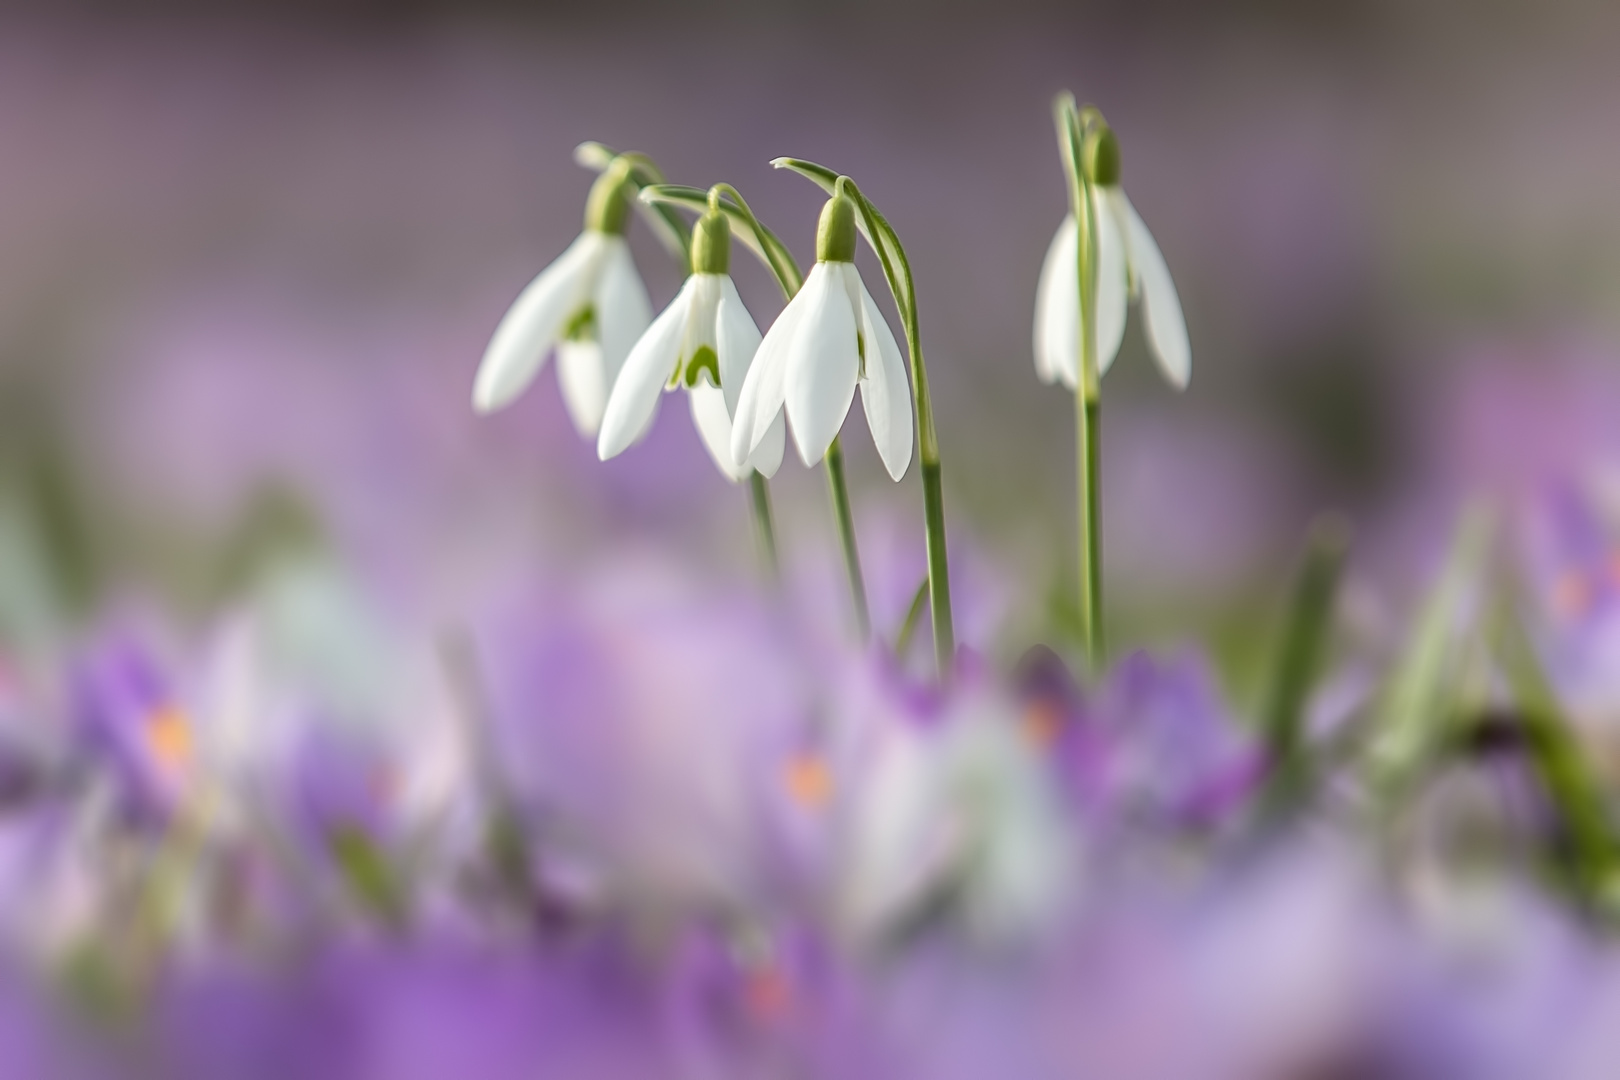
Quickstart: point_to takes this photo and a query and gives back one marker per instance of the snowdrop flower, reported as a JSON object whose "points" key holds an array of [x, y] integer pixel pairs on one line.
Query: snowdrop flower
{"points": [[590, 305], [1129, 267], [829, 339], [705, 341]]}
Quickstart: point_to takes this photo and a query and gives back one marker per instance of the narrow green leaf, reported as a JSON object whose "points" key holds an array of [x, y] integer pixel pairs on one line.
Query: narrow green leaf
{"points": [[1419, 704], [1300, 649], [908, 627], [1559, 761]]}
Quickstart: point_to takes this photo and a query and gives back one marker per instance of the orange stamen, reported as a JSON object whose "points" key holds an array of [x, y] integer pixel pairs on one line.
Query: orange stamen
{"points": [[168, 737], [809, 781], [1042, 724]]}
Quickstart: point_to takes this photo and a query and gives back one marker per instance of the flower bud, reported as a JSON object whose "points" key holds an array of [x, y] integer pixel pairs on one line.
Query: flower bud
{"points": [[1101, 156], [711, 244], [835, 236]]}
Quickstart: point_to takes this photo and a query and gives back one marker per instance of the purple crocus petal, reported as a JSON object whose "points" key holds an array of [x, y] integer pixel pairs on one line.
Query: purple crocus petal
{"points": [[749, 1002], [637, 709], [1176, 750], [40, 1038], [339, 784], [130, 721]]}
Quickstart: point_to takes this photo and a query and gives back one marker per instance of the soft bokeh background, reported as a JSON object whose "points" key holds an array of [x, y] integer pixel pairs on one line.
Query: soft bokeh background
{"points": [[250, 254]]}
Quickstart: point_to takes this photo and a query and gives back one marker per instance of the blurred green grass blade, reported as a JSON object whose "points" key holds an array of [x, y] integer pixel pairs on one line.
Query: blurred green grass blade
{"points": [[1558, 758], [1300, 650], [1419, 705]]}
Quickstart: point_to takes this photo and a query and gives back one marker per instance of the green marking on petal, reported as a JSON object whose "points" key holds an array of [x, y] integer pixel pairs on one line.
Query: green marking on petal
{"points": [[704, 360], [582, 327], [860, 350]]}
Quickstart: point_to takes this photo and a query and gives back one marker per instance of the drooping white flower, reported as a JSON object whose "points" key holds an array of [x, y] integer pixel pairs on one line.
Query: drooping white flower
{"points": [[590, 305], [706, 341], [829, 339], [1129, 267]]}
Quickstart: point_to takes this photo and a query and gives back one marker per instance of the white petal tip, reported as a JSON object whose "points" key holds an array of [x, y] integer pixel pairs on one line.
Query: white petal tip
{"points": [[780, 162], [485, 401]]}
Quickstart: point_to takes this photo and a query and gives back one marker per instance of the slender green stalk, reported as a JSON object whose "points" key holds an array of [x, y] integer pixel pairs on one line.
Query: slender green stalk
{"points": [[1088, 445], [759, 495], [897, 271], [939, 581], [1088, 435], [846, 537], [1304, 637]]}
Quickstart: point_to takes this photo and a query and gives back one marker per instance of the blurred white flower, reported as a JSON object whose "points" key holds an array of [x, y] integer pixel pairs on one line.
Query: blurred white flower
{"points": [[830, 338], [706, 341], [1129, 267]]}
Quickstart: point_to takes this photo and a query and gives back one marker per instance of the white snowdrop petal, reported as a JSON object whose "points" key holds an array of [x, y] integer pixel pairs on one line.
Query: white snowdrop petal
{"points": [[530, 326], [633, 400], [623, 311], [1113, 287], [713, 423], [822, 363], [1161, 307], [737, 339], [584, 384], [767, 456], [764, 389], [1057, 308], [885, 393]]}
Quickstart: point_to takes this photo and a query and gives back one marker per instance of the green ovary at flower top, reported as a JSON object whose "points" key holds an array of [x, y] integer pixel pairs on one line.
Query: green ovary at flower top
{"points": [[829, 339], [589, 305], [705, 341], [1129, 267]]}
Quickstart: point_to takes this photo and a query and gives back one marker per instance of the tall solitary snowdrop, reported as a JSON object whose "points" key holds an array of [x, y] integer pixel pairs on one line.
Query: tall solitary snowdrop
{"points": [[705, 341], [589, 306], [1101, 258], [829, 339]]}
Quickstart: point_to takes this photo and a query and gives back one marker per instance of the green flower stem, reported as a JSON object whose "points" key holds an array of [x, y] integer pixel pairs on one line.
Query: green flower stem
{"points": [[1088, 444], [641, 171], [897, 271], [1087, 438], [779, 261], [759, 496], [846, 536]]}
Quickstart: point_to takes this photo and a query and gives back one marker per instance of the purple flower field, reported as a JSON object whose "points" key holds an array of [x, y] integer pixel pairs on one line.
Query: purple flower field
{"points": [[1121, 584]]}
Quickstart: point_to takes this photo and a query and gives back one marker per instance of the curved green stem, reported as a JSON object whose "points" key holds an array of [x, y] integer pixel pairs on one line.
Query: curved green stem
{"points": [[846, 537], [1088, 443], [769, 250], [643, 172], [897, 271], [759, 496]]}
